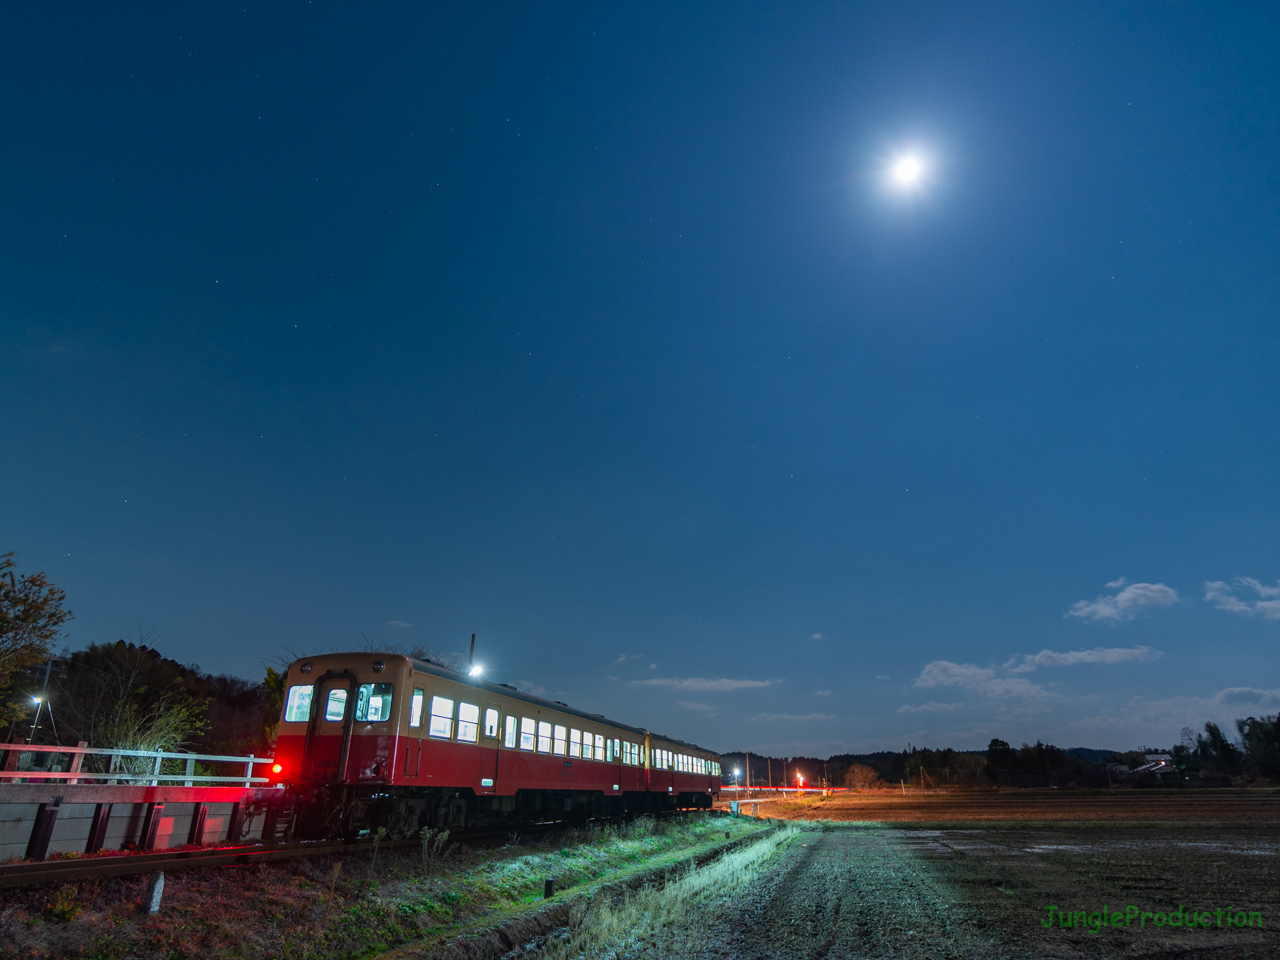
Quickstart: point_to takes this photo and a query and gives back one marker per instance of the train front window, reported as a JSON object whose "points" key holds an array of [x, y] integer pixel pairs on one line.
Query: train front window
{"points": [[544, 737], [335, 708], [468, 722], [297, 708], [441, 718], [559, 740], [415, 707], [527, 727], [373, 702], [491, 723]]}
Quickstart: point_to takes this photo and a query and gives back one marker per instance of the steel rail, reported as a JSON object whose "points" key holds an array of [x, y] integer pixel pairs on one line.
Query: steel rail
{"points": [[29, 873]]}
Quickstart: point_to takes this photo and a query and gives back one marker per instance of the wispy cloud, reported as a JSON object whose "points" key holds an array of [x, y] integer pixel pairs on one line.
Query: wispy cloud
{"points": [[823, 693], [816, 636], [528, 686], [624, 657], [399, 623], [983, 680], [1223, 596], [1126, 603], [702, 683], [771, 717], [929, 707], [689, 705], [1029, 662]]}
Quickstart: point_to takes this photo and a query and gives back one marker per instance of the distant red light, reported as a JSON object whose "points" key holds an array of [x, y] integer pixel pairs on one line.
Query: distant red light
{"points": [[277, 768]]}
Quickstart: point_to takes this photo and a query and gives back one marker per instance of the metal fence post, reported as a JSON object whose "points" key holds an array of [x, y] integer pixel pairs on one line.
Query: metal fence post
{"points": [[113, 767], [155, 770], [248, 772], [190, 772]]}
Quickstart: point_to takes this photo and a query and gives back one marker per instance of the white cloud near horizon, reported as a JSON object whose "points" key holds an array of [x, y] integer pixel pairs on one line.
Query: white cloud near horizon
{"points": [[983, 680], [1028, 662], [1223, 596], [1158, 723], [1126, 603], [702, 683], [929, 707]]}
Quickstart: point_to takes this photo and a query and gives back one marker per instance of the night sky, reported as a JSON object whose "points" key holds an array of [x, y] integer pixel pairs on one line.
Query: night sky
{"points": [[609, 336]]}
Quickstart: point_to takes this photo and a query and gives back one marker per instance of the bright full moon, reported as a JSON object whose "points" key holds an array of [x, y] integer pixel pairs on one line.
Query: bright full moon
{"points": [[907, 171]]}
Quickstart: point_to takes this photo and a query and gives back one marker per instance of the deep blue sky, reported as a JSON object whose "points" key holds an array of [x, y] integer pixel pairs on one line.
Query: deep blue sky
{"points": [[601, 334]]}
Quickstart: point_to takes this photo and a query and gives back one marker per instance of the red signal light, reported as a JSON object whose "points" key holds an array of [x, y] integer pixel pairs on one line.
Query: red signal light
{"points": [[277, 768]]}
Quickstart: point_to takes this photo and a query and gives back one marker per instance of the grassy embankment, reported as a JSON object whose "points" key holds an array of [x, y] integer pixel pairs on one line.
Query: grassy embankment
{"points": [[330, 907]]}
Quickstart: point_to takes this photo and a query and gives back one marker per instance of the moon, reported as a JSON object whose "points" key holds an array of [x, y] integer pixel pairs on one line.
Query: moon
{"points": [[906, 171]]}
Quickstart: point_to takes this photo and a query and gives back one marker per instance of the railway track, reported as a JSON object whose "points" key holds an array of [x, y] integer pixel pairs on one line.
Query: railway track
{"points": [[130, 864]]}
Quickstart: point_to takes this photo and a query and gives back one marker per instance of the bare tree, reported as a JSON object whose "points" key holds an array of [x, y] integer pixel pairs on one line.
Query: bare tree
{"points": [[31, 619]]}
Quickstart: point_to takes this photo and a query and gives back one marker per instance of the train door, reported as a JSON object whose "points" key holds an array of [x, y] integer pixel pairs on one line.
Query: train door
{"points": [[329, 728], [413, 743], [489, 754]]}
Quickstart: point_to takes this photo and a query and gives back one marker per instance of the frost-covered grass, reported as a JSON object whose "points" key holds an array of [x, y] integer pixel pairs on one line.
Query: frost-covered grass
{"points": [[676, 913], [331, 907]]}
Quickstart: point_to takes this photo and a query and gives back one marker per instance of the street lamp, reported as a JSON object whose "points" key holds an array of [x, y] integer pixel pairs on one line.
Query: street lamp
{"points": [[737, 781]]}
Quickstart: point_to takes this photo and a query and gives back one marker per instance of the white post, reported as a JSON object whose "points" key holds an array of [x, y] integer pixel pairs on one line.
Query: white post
{"points": [[190, 772], [248, 772], [155, 769]]}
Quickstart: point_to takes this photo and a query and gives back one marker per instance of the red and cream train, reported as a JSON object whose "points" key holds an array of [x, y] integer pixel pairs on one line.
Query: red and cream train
{"points": [[371, 740]]}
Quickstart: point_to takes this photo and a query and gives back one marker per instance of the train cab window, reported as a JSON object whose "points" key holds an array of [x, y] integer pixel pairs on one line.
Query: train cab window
{"points": [[468, 722], [586, 746], [575, 743], [415, 707], [335, 708], [527, 727], [599, 747], [559, 741], [297, 708], [441, 724], [509, 741], [373, 702], [491, 723], [544, 737]]}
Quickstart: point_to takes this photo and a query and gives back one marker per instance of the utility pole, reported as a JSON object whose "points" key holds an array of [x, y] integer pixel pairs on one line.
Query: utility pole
{"points": [[748, 774], [44, 695], [471, 656]]}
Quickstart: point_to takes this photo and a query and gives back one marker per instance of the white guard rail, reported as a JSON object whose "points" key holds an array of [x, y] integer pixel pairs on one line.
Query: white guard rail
{"points": [[117, 772]]}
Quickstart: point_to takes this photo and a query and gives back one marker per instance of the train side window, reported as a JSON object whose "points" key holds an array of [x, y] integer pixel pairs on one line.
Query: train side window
{"points": [[335, 708], [373, 702], [558, 745], [297, 708], [491, 723], [544, 736], [586, 746], [617, 748], [608, 751], [415, 707], [510, 741], [441, 718], [599, 747], [468, 722], [575, 743], [527, 727]]}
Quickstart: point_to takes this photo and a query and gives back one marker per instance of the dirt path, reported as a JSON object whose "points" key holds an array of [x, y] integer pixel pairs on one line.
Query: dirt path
{"points": [[845, 892]]}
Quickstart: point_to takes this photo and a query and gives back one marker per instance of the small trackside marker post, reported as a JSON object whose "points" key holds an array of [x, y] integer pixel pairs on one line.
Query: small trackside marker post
{"points": [[548, 889], [155, 890]]}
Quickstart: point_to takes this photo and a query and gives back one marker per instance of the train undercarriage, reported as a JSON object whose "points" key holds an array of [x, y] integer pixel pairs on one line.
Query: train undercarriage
{"points": [[352, 812]]}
